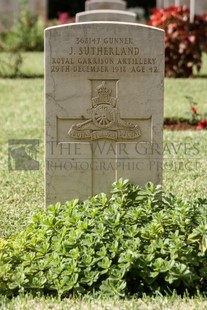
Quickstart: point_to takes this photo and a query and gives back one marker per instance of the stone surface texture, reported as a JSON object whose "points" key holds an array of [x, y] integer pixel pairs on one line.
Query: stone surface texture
{"points": [[105, 5], [106, 15], [103, 107]]}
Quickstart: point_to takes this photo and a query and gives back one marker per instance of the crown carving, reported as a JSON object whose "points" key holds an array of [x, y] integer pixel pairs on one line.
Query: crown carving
{"points": [[104, 95]]}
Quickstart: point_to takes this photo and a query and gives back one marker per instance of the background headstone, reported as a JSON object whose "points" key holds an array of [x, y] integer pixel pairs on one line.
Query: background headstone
{"points": [[106, 15], [11, 8], [200, 5], [159, 4], [39, 7], [166, 3], [104, 107], [105, 5]]}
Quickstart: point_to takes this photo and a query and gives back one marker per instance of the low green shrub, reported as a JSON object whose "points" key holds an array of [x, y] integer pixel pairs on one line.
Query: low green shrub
{"points": [[137, 241], [10, 65]]}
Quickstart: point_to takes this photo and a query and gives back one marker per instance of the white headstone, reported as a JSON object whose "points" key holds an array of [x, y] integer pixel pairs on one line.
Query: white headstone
{"points": [[200, 6], [192, 10], [39, 7], [159, 4], [11, 8], [106, 15], [7, 6], [8, 9], [105, 5], [104, 107]]}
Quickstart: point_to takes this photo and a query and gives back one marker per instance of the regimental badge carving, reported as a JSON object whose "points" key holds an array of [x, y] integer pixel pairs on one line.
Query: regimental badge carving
{"points": [[105, 121]]}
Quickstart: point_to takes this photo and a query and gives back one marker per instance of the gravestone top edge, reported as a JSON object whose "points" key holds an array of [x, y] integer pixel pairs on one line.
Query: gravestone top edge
{"points": [[106, 0], [118, 1], [107, 11], [105, 23]]}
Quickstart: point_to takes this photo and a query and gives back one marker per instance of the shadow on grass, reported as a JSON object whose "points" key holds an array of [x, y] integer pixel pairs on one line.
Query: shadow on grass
{"points": [[21, 76], [41, 75], [199, 76]]}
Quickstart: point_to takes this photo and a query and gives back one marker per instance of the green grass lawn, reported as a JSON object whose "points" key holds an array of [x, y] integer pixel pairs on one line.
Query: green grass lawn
{"points": [[22, 192], [157, 303], [176, 90], [21, 117]]}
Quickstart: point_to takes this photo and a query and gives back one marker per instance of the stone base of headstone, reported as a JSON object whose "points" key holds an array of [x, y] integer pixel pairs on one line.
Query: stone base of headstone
{"points": [[105, 5], [106, 15]]}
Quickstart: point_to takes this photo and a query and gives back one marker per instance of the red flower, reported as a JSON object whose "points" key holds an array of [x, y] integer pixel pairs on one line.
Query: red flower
{"points": [[63, 17], [194, 109], [202, 125]]}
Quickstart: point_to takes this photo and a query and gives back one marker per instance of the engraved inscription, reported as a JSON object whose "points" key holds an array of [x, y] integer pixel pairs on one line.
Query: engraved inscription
{"points": [[105, 121], [104, 40], [108, 51], [101, 55]]}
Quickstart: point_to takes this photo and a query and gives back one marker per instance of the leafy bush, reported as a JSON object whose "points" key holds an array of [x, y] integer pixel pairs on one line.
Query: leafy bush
{"points": [[27, 33], [10, 64], [137, 241], [184, 41]]}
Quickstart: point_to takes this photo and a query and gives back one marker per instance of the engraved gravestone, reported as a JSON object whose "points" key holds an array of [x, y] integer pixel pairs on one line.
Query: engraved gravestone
{"points": [[104, 107], [105, 5], [106, 15]]}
